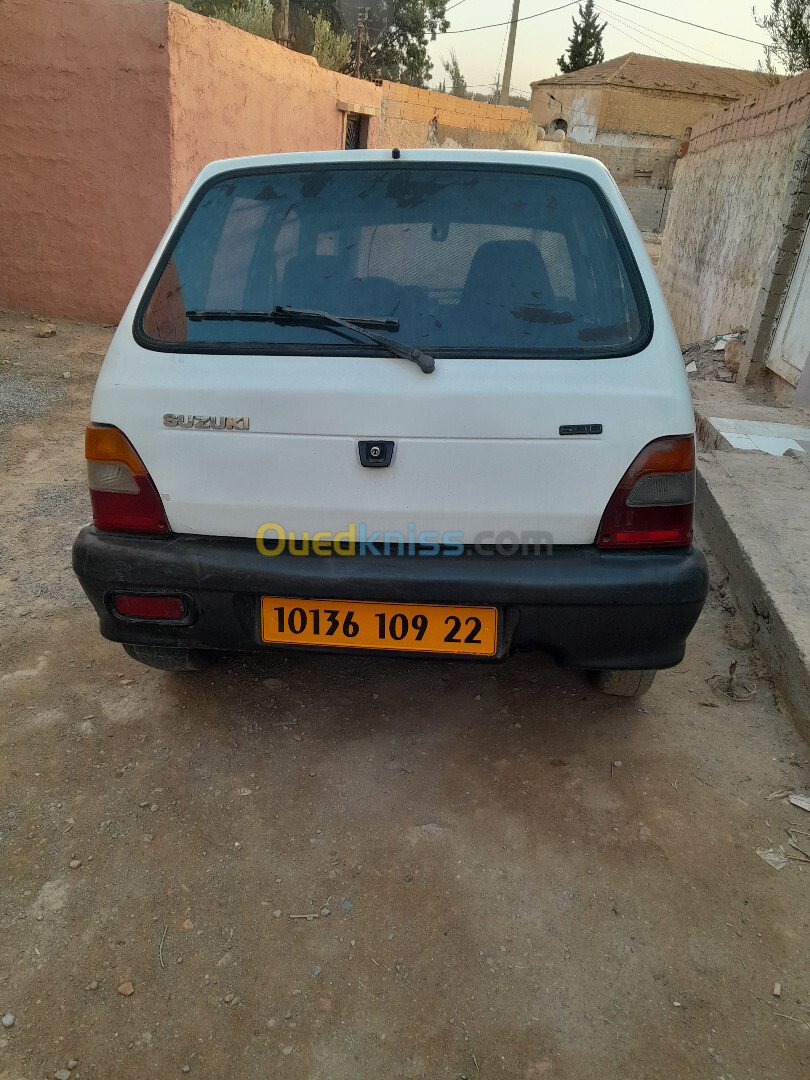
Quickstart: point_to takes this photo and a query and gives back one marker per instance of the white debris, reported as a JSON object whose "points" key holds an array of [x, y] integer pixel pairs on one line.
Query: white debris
{"points": [[776, 859]]}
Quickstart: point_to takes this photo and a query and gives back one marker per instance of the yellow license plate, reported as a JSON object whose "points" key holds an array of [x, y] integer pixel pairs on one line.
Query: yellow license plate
{"points": [[468, 631]]}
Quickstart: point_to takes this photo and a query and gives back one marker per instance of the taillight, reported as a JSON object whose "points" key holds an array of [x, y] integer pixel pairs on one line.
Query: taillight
{"points": [[653, 506], [122, 494]]}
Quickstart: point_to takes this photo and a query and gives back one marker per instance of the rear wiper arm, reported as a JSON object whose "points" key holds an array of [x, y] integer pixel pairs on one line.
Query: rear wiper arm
{"points": [[302, 317], [287, 316]]}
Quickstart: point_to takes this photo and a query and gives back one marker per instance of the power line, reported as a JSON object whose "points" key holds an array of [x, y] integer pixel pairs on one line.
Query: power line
{"points": [[660, 39], [643, 44], [620, 25], [661, 15], [523, 18]]}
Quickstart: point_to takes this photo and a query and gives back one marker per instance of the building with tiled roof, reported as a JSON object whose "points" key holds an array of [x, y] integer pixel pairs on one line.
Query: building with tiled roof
{"points": [[635, 113], [644, 95]]}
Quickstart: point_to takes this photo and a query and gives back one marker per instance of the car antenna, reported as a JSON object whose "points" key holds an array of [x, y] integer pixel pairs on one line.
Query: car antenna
{"points": [[396, 154]]}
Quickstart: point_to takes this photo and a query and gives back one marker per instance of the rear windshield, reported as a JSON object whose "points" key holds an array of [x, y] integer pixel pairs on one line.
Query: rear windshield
{"points": [[463, 261]]}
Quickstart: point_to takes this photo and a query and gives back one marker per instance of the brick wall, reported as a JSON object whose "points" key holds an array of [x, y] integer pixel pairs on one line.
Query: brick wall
{"points": [[411, 117], [643, 174], [735, 219], [646, 204], [782, 107]]}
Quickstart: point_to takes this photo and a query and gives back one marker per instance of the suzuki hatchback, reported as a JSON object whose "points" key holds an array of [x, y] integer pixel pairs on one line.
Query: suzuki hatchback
{"points": [[425, 402]]}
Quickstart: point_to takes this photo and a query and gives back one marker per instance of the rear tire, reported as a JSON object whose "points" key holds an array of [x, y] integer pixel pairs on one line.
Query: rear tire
{"points": [[619, 683], [166, 658]]}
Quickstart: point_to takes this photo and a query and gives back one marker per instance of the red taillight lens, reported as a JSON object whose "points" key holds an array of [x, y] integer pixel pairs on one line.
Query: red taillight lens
{"points": [[122, 494], [149, 607], [653, 505]]}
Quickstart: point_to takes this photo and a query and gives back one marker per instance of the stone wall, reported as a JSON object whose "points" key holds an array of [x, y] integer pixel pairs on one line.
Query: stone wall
{"points": [[732, 232]]}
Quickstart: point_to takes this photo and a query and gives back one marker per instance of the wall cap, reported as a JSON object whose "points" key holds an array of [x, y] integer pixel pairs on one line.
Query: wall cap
{"points": [[351, 107]]}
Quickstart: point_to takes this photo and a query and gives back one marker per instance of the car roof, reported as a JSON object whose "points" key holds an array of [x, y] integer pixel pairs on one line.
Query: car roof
{"points": [[575, 164]]}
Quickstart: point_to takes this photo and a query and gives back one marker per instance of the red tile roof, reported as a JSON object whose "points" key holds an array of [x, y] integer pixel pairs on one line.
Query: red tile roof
{"points": [[675, 76]]}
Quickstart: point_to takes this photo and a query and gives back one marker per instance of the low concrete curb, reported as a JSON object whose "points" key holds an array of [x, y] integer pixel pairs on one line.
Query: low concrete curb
{"points": [[753, 512]]}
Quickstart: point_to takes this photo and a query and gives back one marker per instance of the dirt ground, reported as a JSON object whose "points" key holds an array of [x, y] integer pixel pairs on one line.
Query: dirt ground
{"points": [[508, 875]]}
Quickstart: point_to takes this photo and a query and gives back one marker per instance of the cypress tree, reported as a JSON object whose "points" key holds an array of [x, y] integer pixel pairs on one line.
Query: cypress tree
{"points": [[585, 44]]}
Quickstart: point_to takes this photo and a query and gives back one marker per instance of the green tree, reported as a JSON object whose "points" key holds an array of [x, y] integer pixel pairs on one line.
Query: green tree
{"points": [[788, 26], [458, 84], [327, 9], [332, 50], [397, 51], [585, 44], [254, 16], [400, 52]]}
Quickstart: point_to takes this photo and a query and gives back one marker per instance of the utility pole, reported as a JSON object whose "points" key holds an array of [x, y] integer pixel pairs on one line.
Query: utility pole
{"points": [[359, 44], [510, 54], [284, 24]]}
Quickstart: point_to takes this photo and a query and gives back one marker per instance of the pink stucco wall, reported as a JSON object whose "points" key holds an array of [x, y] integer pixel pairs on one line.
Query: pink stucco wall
{"points": [[84, 151], [110, 108], [234, 94]]}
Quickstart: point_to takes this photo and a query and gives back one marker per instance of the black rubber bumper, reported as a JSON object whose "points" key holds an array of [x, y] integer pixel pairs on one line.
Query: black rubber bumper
{"points": [[589, 608]]}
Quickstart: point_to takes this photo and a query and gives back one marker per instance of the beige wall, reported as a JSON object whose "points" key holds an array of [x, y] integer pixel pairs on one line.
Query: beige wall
{"points": [[84, 152], [727, 208], [579, 106], [413, 118], [656, 112], [722, 217], [593, 111]]}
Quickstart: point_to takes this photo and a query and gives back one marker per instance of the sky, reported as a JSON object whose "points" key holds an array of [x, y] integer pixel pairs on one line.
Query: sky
{"points": [[540, 41]]}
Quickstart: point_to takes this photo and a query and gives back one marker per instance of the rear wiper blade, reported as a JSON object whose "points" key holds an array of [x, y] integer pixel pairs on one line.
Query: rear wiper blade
{"points": [[237, 315], [365, 327]]}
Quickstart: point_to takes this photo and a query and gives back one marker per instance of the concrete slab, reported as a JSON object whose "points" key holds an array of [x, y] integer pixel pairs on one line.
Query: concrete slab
{"points": [[753, 512], [722, 432]]}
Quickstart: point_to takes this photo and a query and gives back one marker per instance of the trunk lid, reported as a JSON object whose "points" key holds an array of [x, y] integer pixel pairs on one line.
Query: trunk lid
{"points": [[527, 281]]}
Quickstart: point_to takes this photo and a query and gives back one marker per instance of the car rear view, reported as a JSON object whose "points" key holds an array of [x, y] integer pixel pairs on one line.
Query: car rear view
{"points": [[426, 402]]}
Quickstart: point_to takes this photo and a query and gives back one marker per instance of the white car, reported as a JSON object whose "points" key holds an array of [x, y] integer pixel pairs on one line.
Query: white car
{"points": [[422, 401]]}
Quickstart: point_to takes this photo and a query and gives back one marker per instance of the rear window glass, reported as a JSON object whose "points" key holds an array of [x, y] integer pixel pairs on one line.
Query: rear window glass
{"points": [[467, 261]]}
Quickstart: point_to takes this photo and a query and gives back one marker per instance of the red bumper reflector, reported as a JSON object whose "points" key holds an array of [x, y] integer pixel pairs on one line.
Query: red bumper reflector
{"points": [[150, 607], [660, 536]]}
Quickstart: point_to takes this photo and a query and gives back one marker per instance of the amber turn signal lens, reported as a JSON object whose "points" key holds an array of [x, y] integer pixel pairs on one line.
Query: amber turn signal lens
{"points": [[105, 443]]}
